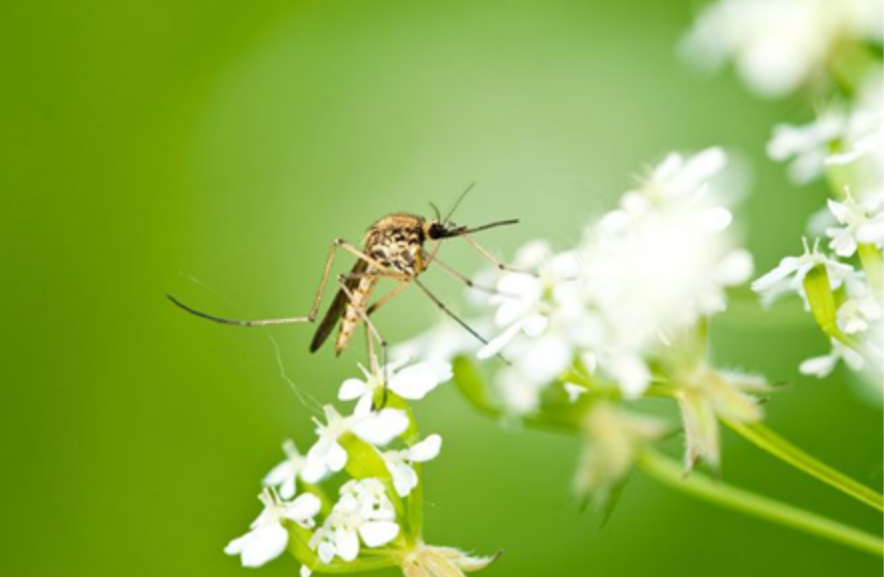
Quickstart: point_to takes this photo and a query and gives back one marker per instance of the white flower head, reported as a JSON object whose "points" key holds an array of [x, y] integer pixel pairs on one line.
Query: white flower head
{"points": [[400, 463], [411, 382], [359, 515], [789, 275], [328, 456], [808, 145], [284, 476], [779, 45], [268, 537]]}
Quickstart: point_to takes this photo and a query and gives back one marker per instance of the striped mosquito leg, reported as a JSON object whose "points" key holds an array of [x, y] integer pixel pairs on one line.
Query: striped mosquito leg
{"points": [[372, 329]]}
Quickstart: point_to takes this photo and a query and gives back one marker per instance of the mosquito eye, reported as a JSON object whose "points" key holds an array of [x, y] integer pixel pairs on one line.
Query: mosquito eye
{"points": [[436, 231]]}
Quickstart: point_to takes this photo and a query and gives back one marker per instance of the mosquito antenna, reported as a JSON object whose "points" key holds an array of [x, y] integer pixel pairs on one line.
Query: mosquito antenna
{"points": [[459, 199], [487, 226], [436, 211]]}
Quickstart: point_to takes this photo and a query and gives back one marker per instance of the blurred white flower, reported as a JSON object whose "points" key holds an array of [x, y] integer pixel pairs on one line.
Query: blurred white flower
{"points": [[613, 438], [657, 264], [355, 517], [823, 365], [400, 463], [809, 145], [857, 314], [789, 275], [268, 538], [411, 382], [840, 135], [779, 45], [284, 476], [443, 342], [327, 455]]}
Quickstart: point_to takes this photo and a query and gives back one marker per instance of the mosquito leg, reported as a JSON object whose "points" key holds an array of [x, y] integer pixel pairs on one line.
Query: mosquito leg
{"points": [[456, 318], [387, 297], [465, 279], [372, 330], [372, 358], [490, 257], [317, 300], [226, 321]]}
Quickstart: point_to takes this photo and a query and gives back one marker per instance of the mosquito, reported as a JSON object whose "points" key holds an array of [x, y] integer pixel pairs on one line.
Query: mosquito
{"points": [[394, 247]]}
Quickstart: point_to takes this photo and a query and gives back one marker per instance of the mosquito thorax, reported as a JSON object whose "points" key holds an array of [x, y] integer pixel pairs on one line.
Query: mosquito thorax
{"points": [[396, 241]]}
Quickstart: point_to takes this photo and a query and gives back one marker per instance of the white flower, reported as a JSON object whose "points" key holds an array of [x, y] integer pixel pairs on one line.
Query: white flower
{"points": [[443, 342], [372, 496], [808, 145], [859, 222], [855, 315], [411, 382], [268, 538], [400, 463], [778, 45], [327, 455], [789, 274], [862, 222], [284, 476], [358, 515], [855, 133], [823, 365], [526, 300]]}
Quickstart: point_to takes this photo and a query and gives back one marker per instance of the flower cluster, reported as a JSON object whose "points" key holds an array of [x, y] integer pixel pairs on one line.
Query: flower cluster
{"points": [[617, 318], [778, 46], [375, 521]]}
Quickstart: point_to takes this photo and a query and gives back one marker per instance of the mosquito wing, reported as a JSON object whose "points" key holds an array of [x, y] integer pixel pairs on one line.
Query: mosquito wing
{"points": [[337, 309]]}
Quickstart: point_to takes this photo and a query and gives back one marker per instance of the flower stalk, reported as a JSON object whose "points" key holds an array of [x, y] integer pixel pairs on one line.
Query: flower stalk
{"points": [[764, 438], [697, 485]]}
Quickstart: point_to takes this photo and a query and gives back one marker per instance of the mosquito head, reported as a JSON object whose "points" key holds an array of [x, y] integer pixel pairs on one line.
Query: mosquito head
{"points": [[438, 230]]}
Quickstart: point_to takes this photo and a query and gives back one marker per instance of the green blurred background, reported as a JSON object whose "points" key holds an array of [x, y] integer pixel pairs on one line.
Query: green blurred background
{"points": [[149, 143]]}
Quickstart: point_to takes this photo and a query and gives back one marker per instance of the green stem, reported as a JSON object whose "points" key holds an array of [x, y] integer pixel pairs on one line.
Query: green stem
{"points": [[870, 257], [766, 439], [669, 472]]}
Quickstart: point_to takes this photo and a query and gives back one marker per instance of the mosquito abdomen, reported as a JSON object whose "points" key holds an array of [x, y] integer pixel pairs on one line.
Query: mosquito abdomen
{"points": [[352, 316]]}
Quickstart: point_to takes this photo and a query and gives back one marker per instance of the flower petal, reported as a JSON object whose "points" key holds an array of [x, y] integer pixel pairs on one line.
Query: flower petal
{"points": [[425, 450], [377, 533], [235, 546], [416, 381], [382, 427], [346, 544], [264, 544], [352, 389], [305, 507], [278, 474], [336, 458]]}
